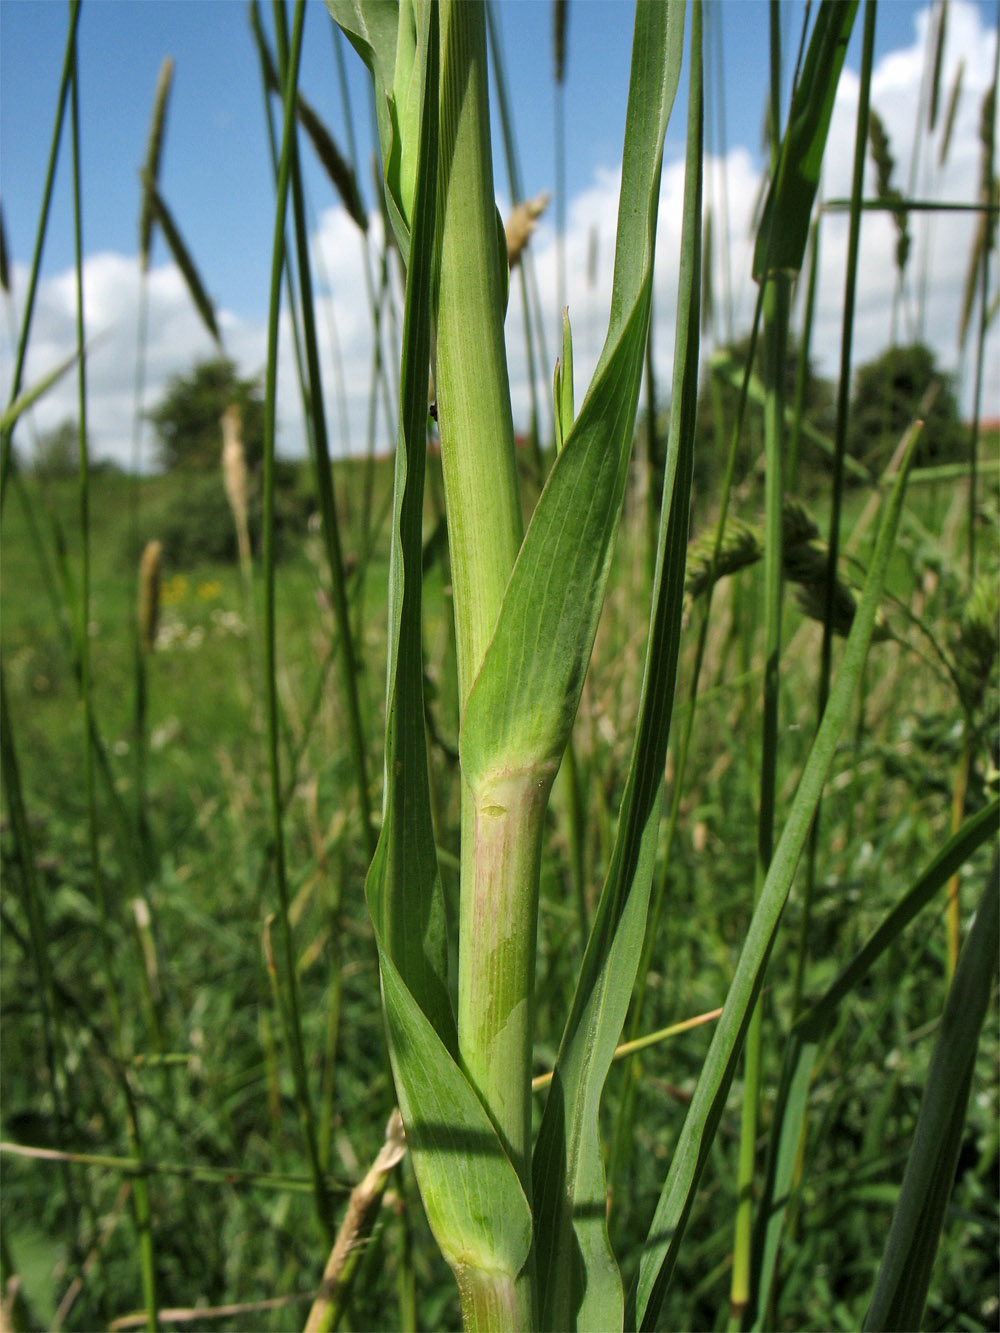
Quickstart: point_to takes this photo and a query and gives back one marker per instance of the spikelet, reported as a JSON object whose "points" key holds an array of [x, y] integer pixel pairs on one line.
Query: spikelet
{"points": [[559, 16], [885, 164], [149, 594], [797, 525], [234, 476], [804, 560], [976, 646], [154, 149], [521, 223], [741, 546], [805, 566]]}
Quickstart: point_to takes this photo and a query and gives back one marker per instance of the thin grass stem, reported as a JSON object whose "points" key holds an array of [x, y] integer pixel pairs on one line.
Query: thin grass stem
{"points": [[69, 56], [289, 984]]}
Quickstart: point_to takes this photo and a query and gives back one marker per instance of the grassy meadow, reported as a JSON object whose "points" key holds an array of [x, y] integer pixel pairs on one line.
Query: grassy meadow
{"points": [[225, 1101], [195, 1000]]}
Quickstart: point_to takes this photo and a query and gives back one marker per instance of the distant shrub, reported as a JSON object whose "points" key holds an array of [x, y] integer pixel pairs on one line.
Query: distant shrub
{"points": [[187, 418], [195, 523], [887, 395], [196, 526]]}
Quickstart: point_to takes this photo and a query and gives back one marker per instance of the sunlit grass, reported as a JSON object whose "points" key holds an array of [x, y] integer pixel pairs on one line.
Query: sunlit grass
{"points": [[249, 1152]]}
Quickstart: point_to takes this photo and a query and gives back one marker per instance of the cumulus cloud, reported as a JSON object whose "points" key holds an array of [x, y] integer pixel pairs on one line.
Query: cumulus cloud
{"points": [[928, 306]]}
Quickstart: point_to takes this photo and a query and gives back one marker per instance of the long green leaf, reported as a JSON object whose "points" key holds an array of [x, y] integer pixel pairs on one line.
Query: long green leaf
{"points": [[370, 26], [694, 1144], [387, 36], [324, 475], [286, 987], [521, 708], [790, 1109], [579, 1279], [784, 228], [474, 1201], [905, 1274], [31, 395], [6, 434]]}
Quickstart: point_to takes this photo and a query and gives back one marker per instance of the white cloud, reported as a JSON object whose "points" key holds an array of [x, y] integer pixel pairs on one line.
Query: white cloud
{"points": [[176, 338], [930, 305]]}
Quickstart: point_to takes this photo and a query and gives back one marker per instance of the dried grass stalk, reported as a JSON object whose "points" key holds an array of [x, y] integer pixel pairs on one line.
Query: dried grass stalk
{"points": [[359, 1219]]}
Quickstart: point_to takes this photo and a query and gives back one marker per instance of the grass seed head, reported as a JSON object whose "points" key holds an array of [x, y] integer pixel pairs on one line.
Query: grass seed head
{"points": [[154, 149], [234, 475], [976, 647], [741, 546], [805, 557], [149, 594], [521, 223]]}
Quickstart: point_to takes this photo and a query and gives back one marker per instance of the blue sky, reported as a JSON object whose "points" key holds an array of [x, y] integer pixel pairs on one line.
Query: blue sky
{"points": [[216, 175]]}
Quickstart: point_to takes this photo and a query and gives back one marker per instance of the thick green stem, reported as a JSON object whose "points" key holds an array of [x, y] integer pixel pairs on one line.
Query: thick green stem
{"points": [[473, 393], [502, 819], [496, 990], [491, 1301], [499, 853]]}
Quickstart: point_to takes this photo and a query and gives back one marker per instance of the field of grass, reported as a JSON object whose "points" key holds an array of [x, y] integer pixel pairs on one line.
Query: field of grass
{"points": [[454, 783], [208, 1070]]}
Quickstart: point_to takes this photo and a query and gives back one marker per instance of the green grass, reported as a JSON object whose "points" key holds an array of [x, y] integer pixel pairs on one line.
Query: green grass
{"points": [[208, 816], [201, 960]]}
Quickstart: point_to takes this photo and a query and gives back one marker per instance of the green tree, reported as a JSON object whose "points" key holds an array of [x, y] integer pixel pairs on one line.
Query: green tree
{"points": [[57, 451], [887, 395], [187, 418]]}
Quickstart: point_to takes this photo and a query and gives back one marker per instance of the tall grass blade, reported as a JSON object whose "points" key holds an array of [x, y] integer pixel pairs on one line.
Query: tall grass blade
{"points": [[324, 486], [562, 386], [866, 123], [784, 228], [383, 33], [524, 700], [474, 1202], [6, 432], [37, 390], [370, 26], [905, 1275], [693, 1147], [289, 992], [332, 159], [141, 1207], [578, 1276], [809, 1030]]}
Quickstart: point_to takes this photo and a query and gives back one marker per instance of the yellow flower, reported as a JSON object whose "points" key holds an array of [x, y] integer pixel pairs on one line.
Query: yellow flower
{"points": [[174, 590]]}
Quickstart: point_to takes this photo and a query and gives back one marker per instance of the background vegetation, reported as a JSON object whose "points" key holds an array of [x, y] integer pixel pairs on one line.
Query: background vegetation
{"points": [[149, 1052]]}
